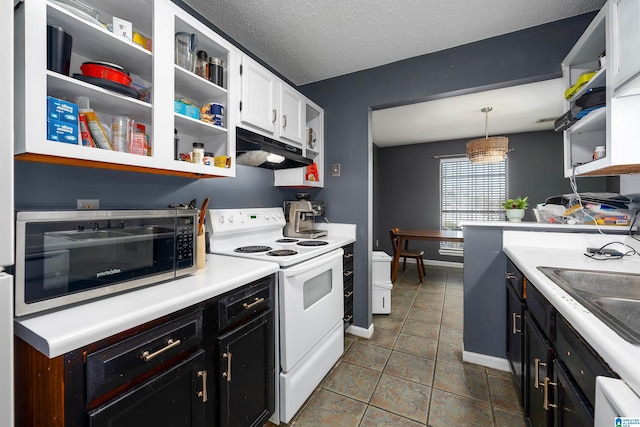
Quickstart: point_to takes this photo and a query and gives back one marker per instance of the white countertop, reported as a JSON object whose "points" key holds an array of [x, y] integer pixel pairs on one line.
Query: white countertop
{"points": [[529, 250], [545, 225], [61, 331]]}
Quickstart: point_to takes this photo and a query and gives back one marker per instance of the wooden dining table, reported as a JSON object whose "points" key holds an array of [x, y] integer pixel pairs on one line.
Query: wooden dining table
{"points": [[436, 235]]}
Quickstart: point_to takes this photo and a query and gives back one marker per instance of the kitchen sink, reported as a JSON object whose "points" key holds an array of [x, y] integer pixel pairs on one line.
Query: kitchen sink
{"points": [[612, 297]]}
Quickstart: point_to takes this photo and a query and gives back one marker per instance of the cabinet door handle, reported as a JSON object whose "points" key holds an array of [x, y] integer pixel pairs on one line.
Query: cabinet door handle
{"points": [[546, 405], [146, 356], [274, 116], [537, 364], [510, 275], [348, 294], [227, 374], [284, 121], [515, 330], [256, 301], [203, 393]]}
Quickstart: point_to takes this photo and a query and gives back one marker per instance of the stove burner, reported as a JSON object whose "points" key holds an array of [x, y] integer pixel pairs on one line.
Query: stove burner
{"points": [[312, 243], [282, 252], [252, 249], [286, 240]]}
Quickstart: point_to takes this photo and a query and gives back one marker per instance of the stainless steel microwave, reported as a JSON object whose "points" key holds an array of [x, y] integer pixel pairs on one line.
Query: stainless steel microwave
{"points": [[66, 257]]}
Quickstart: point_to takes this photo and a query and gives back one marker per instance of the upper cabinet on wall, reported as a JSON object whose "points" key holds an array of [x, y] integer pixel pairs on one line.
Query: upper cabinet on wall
{"points": [[613, 34], [150, 66], [274, 109]]}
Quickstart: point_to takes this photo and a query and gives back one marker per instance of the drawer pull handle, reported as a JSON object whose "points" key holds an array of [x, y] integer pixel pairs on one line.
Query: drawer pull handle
{"points": [[546, 405], [348, 294], [510, 275], [348, 256], [348, 319], [348, 273], [203, 393], [146, 356], [515, 330], [254, 303], [227, 374], [537, 364]]}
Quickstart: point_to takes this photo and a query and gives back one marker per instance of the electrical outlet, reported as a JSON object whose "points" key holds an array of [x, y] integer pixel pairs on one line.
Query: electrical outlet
{"points": [[88, 203], [335, 169]]}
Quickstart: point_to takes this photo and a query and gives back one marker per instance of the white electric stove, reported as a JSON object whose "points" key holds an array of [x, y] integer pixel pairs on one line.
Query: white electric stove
{"points": [[310, 295]]}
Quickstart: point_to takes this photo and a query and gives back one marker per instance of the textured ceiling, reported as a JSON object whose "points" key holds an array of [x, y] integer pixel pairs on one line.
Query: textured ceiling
{"points": [[308, 41]]}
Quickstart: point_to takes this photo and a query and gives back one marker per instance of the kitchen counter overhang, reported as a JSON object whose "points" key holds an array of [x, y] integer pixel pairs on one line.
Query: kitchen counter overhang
{"points": [[58, 332], [530, 250]]}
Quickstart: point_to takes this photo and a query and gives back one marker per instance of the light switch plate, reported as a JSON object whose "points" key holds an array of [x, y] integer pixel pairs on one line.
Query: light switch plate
{"points": [[335, 169], [88, 203]]}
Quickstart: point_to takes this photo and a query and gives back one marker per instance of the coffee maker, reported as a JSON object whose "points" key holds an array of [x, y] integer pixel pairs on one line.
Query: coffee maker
{"points": [[301, 215]]}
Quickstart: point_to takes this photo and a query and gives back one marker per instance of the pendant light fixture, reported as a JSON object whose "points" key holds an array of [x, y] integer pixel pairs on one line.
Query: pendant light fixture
{"points": [[487, 150]]}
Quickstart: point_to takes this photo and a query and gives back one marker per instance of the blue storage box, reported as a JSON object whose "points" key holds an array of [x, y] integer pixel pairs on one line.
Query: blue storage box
{"points": [[63, 132], [61, 110], [186, 109]]}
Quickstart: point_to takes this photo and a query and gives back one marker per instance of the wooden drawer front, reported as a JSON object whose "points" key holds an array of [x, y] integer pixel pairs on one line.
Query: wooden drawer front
{"points": [[347, 257], [244, 303], [542, 311], [516, 278], [580, 359], [348, 315], [118, 364]]}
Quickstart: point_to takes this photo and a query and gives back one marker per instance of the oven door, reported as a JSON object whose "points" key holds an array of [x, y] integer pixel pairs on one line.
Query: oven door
{"points": [[311, 303]]}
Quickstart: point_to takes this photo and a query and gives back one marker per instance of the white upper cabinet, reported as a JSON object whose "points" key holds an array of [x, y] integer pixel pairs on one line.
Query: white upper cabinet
{"points": [[150, 65], [291, 114], [614, 126], [625, 42], [259, 101]]}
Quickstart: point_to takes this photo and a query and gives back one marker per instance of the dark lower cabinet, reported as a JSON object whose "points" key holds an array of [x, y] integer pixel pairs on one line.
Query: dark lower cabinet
{"points": [[571, 406], [247, 376], [515, 340], [173, 398], [539, 365], [347, 272]]}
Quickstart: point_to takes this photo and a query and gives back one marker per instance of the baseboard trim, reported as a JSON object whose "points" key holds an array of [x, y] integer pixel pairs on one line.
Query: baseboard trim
{"points": [[360, 331], [437, 263], [485, 360]]}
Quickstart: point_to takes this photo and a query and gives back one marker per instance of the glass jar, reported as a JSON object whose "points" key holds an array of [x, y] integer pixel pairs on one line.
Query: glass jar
{"points": [[216, 71], [201, 64], [197, 154]]}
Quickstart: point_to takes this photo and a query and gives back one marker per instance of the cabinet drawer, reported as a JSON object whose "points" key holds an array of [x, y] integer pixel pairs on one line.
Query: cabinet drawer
{"points": [[542, 311], [242, 304], [347, 257], [580, 359], [121, 363], [516, 279], [348, 294]]}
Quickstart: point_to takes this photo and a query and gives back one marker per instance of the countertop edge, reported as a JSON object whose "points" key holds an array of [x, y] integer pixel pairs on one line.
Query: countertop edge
{"points": [[58, 332]]}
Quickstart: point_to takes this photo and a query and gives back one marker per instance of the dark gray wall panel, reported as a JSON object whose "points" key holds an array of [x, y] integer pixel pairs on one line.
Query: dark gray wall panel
{"points": [[528, 55]]}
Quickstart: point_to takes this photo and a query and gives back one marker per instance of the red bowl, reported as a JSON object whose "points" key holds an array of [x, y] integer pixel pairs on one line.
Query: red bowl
{"points": [[90, 69]]}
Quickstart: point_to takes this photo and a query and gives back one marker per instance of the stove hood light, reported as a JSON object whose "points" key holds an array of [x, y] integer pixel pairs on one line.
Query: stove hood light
{"points": [[275, 158]]}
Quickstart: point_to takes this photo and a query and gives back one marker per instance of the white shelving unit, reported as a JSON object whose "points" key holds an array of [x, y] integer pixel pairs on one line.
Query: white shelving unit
{"points": [[614, 126], [158, 19]]}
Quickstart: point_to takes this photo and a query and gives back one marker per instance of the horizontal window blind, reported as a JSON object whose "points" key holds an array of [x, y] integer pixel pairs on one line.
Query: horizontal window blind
{"points": [[470, 192]]}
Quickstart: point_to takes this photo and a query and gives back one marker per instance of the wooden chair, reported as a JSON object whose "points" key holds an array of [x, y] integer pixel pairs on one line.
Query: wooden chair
{"points": [[407, 253]]}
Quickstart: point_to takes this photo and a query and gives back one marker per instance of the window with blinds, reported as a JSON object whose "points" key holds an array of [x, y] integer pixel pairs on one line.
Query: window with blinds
{"points": [[470, 192]]}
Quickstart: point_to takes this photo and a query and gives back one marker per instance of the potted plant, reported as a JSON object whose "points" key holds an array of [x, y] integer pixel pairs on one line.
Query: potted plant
{"points": [[515, 208]]}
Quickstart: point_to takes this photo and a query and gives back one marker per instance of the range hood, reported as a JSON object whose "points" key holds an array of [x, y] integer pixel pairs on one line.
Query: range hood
{"points": [[253, 149]]}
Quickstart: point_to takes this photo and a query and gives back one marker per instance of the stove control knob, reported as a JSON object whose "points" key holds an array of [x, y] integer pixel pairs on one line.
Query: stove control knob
{"points": [[273, 215], [230, 218], [279, 214], [266, 217], [221, 219]]}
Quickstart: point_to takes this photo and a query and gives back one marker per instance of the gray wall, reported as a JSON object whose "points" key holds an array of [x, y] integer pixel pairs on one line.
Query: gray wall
{"points": [[408, 183], [524, 56]]}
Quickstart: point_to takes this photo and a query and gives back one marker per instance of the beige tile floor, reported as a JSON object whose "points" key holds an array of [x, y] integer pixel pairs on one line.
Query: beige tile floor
{"points": [[410, 373]]}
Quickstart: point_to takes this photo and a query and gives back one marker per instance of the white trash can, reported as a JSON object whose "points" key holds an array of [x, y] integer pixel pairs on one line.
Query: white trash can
{"points": [[381, 283]]}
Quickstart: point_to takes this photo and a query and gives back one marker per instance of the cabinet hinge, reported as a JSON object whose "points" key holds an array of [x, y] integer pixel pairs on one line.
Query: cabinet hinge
{"points": [[240, 69], [240, 105]]}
